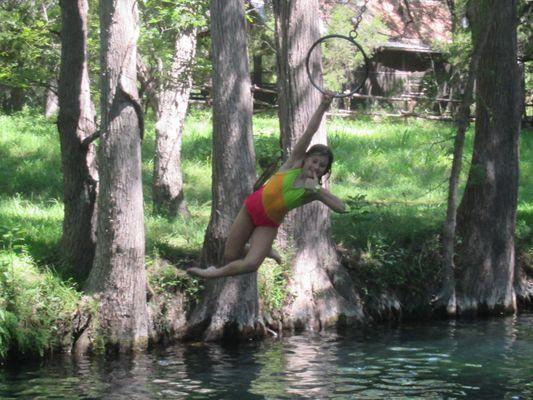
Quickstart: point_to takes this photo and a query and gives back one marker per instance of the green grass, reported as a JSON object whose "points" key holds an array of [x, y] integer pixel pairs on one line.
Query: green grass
{"points": [[31, 164], [35, 303], [393, 175]]}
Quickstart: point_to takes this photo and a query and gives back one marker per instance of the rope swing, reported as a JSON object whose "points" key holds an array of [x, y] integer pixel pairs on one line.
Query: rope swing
{"points": [[350, 74]]}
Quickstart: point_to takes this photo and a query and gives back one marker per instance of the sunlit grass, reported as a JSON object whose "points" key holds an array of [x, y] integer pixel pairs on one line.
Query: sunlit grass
{"points": [[29, 154], [398, 166], [38, 222], [390, 161]]}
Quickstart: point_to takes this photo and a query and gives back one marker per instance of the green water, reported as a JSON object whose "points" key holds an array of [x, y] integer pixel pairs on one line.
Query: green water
{"points": [[482, 359]]}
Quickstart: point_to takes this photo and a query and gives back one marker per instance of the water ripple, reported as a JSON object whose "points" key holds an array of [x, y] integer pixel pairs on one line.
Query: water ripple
{"points": [[463, 359]]}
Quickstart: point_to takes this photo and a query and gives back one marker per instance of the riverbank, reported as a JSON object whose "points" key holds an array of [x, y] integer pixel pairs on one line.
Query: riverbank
{"points": [[392, 174]]}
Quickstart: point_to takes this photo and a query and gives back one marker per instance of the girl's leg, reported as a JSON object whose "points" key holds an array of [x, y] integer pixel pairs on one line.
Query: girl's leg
{"points": [[273, 254], [238, 235], [260, 246]]}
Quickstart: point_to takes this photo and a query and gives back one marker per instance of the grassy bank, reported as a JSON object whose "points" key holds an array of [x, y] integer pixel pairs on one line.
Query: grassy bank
{"points": [[393, 174]]}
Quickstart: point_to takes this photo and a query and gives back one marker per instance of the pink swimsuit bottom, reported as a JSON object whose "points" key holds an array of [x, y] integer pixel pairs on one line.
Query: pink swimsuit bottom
{"points": [[256, 211], [269, 205]]}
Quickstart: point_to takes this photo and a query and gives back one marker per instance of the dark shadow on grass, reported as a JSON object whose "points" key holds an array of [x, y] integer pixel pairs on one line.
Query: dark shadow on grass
{"points": [[179, 257], [198, 148], [524, 218]]}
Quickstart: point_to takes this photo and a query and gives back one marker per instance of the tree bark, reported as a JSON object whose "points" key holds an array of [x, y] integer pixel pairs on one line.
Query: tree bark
{"points": [[230, 309], [321, 290], [172, 100], [447, 297], [487, 214], [75, 122], [51, 101], [16, 100], [118, 278]]}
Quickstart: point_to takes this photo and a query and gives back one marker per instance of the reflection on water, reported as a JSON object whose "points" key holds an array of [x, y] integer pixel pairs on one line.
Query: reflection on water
{"points": [[490, 359]]}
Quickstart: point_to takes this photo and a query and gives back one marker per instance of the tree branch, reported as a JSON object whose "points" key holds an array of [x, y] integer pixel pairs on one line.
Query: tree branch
{"points": [[91, 138]]}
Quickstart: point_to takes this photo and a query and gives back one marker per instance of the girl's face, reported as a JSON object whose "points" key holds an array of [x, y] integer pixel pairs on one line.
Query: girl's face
{"points": [[315, 165]]}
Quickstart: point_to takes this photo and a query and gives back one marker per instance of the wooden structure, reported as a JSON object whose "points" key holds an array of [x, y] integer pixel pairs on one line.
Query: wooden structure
{"points": [[407, 65]]}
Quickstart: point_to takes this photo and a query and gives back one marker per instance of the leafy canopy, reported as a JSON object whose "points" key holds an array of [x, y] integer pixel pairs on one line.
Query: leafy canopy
{"points": [[29, 42], [162, 22]]}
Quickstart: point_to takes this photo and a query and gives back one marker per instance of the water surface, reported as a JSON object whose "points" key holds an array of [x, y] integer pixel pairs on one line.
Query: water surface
{"points": [[483, 359]]}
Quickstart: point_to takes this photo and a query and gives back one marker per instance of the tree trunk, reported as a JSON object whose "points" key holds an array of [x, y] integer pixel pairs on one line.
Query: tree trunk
{"points": [[16, 100], [172, 101], [75, 123], [230, 309], [447, 297], [322, 291], [118, 278], [487, 214], [51, 101]]}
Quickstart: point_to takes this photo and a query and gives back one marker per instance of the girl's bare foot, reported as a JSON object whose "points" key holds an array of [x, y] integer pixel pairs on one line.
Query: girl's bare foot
{"points": [[201, 272]]}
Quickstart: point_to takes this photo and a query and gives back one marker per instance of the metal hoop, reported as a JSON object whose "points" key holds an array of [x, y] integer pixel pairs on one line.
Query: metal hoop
{"points": [[365, 70]]}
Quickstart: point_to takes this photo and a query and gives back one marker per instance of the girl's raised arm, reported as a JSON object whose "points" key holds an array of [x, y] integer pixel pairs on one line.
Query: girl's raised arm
{"points": [[298, 152]]}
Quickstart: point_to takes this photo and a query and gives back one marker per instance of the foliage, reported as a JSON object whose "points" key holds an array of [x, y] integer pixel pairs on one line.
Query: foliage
{"points": [[340, 58], [525, 28], [166, 279], [395, 186], [458, 51], [524, 223], [393, 250], [261, 40], [272, 282], [397, 178], [267, 150], [29, 43], [35, 304], [171, 17], [162, 22], [93, 50]]}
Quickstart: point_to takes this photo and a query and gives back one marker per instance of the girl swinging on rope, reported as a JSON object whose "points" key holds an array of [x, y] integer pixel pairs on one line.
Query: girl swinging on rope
{"points": [[297, 182]]}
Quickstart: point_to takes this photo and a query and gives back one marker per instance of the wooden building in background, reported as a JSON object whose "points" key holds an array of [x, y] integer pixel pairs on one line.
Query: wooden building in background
{"points": [[408, 62]]}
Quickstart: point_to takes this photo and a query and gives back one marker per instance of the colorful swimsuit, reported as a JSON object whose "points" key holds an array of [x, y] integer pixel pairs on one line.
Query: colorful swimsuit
{"points": [[269, 205]]}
